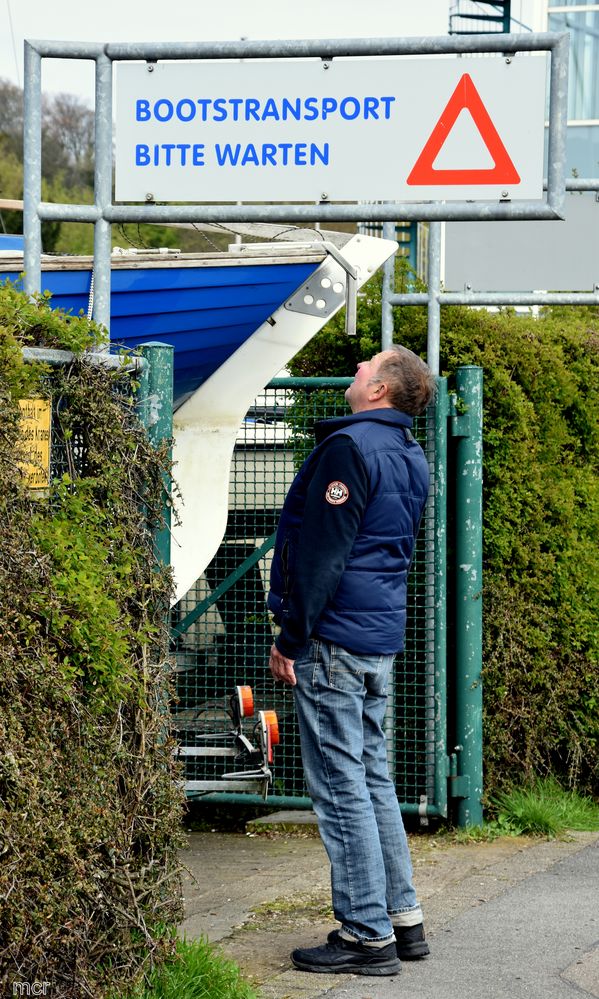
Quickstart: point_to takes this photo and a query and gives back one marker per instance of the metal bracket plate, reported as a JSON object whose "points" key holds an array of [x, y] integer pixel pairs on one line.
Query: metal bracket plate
{"points": [[459, 786], [322, 293]]}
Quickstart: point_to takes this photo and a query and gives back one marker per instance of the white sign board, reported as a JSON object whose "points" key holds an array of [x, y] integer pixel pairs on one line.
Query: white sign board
{"points": [[389, 129], [527, 256]]}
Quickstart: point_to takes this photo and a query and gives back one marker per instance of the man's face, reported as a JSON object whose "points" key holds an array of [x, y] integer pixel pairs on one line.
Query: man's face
{"points": [[360, 392]]}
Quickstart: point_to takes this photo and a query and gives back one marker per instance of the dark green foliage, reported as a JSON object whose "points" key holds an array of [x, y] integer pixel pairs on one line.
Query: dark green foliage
{"points": [[89, 810], [541, 522], [31, 323]]}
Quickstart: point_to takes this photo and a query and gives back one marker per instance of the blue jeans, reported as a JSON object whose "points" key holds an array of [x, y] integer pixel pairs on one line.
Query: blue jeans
{"points": [[340, 700]]}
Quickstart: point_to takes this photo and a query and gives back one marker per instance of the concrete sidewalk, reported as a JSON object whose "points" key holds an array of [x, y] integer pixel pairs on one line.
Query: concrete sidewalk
{"points": [[511, 919]]}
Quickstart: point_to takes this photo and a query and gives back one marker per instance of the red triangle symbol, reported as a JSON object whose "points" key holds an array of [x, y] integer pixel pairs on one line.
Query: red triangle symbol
{"points": [[467, 96]]}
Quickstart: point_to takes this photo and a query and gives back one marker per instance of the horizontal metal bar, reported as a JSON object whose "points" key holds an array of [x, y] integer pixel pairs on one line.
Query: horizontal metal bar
{"points": [[66, 50], [578, 184], [415, 298], [499, 298], [248, 775], [481, 17], [287, 801], [458, 211], [387, 212], [58, 358], [309, 383], [507, 298], [582, 184], [279, 800], [203, 751], [224, 785], [49, 212], [298, 48]]}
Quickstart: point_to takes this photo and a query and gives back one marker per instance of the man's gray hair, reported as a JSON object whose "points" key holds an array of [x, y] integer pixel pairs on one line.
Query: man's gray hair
{"points": [[410, 383]]}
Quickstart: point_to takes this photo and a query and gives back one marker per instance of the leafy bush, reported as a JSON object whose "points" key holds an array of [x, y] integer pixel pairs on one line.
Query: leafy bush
{"points": [[89, 809], [540, 520]]}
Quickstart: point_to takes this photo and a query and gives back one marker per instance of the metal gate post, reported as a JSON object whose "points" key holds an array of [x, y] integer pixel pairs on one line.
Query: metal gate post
{"points": [[467, 427], [440, 589], [155, 407]]}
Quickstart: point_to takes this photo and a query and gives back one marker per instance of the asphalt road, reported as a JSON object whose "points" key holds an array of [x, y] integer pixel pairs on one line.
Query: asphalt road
{"points": [[511, 919], [538, 940]]}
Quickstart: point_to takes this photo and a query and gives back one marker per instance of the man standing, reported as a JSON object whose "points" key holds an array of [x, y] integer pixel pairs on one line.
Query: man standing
{"points": [[338, 590]]}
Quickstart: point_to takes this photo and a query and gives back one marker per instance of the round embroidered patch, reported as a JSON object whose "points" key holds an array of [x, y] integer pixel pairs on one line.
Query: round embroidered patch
{"points": [[337, 492]]}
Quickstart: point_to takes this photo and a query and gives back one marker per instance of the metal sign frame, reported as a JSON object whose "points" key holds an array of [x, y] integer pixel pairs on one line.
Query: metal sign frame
{"points": [[434, 297], [104, 212]]}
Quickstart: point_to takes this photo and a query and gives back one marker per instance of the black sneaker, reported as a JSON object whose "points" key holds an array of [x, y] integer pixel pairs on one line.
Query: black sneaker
{"points": [[411, 943], [339, 956]]}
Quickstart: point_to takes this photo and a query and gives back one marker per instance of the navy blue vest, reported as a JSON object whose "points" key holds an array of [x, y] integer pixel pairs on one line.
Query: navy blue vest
{"points": [[368, 611]]}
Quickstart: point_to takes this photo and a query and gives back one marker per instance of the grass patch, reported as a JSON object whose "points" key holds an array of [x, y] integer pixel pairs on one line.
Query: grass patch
{"points": [[486, 833], [198, 971], [289, 912], [544, 809]]}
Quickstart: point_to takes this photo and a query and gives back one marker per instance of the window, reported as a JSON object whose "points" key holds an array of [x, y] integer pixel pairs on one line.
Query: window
{"points": [[582, 21]]}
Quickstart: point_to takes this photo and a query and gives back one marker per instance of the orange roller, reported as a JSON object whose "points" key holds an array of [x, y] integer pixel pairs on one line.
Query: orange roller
{"points": [[272, 721], [246, 701], [263, 727]]}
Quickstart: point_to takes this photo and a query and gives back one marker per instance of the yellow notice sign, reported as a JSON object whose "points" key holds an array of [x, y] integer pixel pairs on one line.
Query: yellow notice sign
{"points": [[36, 416]]}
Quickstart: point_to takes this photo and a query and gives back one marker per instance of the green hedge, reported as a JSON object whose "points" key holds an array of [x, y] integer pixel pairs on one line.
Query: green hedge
{"points": [[541, 521], [89, 810]]}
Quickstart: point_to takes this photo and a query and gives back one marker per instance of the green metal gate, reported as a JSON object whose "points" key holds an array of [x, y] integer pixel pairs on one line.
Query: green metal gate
{"points": [[221, 629]]}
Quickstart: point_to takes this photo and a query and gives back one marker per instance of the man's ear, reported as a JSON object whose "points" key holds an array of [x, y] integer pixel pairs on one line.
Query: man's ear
{"points": [[378, 393]]}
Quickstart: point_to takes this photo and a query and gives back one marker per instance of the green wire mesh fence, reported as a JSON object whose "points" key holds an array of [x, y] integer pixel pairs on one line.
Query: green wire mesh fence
{"points": [[222, 632]]}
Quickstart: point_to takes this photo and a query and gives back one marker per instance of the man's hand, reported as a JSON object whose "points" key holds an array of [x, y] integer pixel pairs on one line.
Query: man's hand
{"points": [[281, 667]]}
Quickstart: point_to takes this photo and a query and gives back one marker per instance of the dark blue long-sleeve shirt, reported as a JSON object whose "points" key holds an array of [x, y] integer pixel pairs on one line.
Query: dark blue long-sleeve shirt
{"points": [[335, 501]]}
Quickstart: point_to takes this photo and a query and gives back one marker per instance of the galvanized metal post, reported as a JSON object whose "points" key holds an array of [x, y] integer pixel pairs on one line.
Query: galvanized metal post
{"points": [[433, 342], [432, 354], [467, 427], [32, 170], [103, 190], [155, 407], [388, 289], [558, 125]]}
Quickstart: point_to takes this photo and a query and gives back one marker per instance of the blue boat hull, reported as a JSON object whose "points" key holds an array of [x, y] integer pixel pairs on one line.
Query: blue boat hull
{"points": [[205, 312]]}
